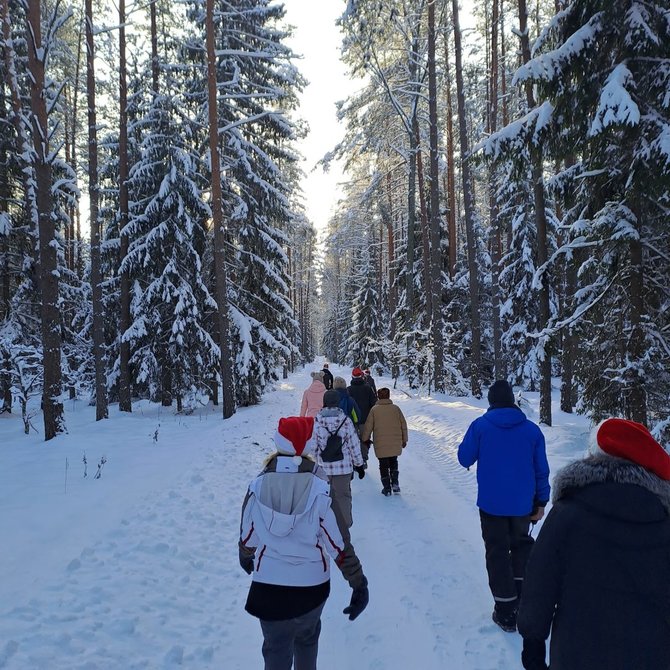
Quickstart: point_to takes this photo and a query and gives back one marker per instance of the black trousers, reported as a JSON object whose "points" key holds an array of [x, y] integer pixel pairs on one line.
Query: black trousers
{"points": [[388, 469], [508, 546]]}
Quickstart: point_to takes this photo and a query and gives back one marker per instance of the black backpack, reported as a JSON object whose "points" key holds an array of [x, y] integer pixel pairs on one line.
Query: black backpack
{"points": [[332, 452]]}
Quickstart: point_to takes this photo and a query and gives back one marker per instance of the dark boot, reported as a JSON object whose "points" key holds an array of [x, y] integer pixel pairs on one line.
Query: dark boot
{"points": [[395, 487], [386, 484]]}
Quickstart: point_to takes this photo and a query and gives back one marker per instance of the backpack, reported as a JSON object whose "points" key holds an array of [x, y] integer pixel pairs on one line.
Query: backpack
{"points": [[333, 450]]}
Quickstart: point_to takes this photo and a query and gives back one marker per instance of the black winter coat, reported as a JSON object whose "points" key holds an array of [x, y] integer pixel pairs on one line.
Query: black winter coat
{"points": [[327, 378], [598, 577], [364, 396]]}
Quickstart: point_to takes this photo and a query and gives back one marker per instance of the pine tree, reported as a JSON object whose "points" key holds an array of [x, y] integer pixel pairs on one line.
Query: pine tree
{"points": [[602, 69]]}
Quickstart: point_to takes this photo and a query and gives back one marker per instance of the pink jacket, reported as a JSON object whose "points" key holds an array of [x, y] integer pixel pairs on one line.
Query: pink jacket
{"points": [[312, 399]]}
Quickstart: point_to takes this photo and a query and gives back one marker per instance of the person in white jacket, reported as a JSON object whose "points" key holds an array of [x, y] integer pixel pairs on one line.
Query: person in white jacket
{"points": [[288, 533]]}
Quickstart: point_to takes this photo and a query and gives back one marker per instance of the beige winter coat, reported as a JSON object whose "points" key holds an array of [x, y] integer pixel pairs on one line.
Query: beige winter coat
{"points": [[388, 428]]}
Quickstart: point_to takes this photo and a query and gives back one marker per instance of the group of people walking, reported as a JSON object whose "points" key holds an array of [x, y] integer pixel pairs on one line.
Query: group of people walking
{"points": [[596, 579]]}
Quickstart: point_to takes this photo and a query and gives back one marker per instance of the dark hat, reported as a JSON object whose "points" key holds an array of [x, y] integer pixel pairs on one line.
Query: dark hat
{"points": [[331, 399], [501, 394]]}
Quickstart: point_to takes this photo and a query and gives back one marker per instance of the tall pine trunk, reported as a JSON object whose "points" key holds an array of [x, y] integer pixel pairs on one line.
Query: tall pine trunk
{"points": [[451, 164], [217, 218], [468, 203], [636, 395], [500, 368], [435, 256], [425, 232], [125, 404], [52, 405], [101, 409], [541, 230]]}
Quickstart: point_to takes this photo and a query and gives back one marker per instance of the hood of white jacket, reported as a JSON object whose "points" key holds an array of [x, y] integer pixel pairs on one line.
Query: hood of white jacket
{"points": [[284, 498]]}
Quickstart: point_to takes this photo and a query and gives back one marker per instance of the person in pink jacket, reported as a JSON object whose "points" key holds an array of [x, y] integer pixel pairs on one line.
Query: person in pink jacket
{"points": [[312, 398]]}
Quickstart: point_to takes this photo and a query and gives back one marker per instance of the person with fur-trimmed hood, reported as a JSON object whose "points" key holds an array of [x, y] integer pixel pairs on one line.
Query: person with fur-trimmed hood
{"points": [[512, 491], [598, 578], [287, 533]]}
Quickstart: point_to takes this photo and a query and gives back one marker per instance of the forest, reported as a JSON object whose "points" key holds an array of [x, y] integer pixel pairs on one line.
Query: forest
{"points": [[505, 210]]}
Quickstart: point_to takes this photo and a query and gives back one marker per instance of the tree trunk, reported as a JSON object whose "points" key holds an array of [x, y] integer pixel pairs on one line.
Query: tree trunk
{"points": [[425, 233], [166, 383], [125, 404], [101, 408], [468, 202], [411, 216], [52, 405], [435, 286], [500, 368], [75, 222], [541, 226], [155, 71], [636, 396], [451, 165], [217, 217], [391, 261]]}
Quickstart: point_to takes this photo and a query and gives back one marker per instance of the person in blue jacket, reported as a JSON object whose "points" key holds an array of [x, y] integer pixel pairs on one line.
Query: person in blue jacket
{"points": [[513, 490], [347, 404]]}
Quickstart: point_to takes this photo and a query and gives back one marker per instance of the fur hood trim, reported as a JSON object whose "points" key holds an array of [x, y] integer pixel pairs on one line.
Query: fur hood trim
{"points": [[601, 469]]}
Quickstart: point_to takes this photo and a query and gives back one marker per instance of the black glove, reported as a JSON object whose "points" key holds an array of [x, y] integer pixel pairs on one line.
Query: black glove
{"points": [[247, 559], [360, 597], [360, 471], [532, 656]]}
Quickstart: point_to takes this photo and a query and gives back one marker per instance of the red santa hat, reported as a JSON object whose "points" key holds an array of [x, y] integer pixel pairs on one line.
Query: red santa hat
{"points": [[632, 441], [357, 372], [294, 435]]}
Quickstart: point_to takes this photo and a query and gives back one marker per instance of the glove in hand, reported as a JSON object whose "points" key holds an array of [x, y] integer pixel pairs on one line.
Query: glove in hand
{"points": [[247, 559], [532, 656], [360, 471], [360, 597]]}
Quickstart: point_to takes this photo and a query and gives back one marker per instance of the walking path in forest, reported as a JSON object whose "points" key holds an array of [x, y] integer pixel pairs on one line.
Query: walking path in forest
{"points": [[138, 569]]}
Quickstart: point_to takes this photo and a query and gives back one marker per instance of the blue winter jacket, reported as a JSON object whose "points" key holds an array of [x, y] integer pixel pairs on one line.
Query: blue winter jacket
{"points": [[349, 405], [512, 467]]}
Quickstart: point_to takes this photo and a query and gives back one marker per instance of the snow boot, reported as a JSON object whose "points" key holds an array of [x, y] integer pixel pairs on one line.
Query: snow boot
{"points": [[395, 487], [386, 483], [504, 615]]}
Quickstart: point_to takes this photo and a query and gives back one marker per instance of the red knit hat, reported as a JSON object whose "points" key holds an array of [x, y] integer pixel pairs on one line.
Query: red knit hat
{"points": [[632, 441], [357, 372], [294, 435]]}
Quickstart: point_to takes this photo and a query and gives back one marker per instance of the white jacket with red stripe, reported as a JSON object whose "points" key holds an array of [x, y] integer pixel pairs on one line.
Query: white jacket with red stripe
{"points": [[287, 518]]}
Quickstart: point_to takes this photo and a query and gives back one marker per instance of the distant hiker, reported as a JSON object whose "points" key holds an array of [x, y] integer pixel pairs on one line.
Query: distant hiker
{"points": [[327, 377], [369, 380], [386, 424], [338, 451], [287, 533], [365, 398], [312, 398], [598, 578], [347, 404], [513, 489]]}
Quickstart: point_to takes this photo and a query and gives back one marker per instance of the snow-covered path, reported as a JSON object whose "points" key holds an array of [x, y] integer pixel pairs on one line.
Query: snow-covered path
{"points": [[139, 568]]}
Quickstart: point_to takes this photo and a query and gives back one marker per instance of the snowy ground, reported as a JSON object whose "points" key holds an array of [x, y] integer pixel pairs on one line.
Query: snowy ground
{"points": [[138, 569]]}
